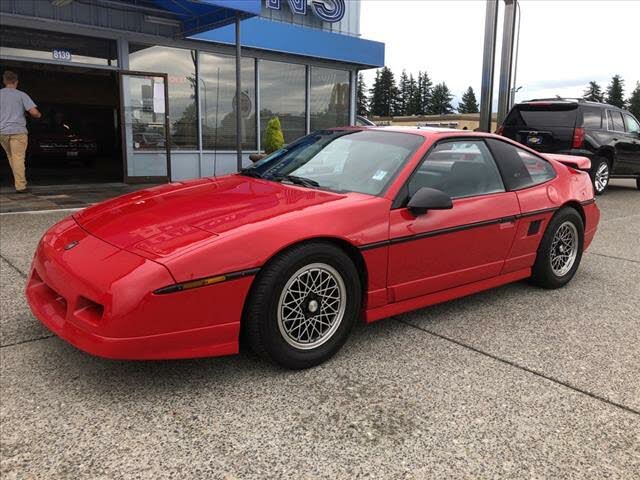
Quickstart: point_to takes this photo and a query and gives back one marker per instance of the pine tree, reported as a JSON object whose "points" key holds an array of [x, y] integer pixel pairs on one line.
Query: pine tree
{"points": [[404, 96], [415, 102], [593, 93], [375, 95], [384, 94], [469, 104], [425, 87], [361, 97], [441, 100], [615, 92], [634, 101]]}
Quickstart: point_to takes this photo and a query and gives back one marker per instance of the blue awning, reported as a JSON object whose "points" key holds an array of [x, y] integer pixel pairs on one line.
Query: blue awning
{"points": [[202, 15], [265, 34]]}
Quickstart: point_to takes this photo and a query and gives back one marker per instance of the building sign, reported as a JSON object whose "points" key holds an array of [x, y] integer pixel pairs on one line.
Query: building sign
{"points": [[327, 10], [64, 55]]}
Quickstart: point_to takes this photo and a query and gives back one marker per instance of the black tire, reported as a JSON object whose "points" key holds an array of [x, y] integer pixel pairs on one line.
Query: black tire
{"points": [[261, 327], [543, 273], [600, 174], [638, 183]]}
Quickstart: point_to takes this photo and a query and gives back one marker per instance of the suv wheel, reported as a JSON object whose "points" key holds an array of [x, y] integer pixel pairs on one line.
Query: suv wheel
{"points": [[600, 175], [638, 182]]}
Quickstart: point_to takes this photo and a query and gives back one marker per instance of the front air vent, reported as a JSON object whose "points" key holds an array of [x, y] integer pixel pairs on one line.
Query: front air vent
{"points": [[88, 310]]}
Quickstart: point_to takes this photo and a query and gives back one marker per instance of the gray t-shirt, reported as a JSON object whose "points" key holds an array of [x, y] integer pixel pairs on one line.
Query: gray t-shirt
{"points": [[13, 104]]}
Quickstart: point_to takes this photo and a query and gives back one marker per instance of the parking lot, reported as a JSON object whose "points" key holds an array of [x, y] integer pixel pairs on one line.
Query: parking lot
{"points": [[516, 382]]}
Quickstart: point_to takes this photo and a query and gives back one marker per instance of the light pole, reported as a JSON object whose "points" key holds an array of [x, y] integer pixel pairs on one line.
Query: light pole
{"points": [[488, 64]]}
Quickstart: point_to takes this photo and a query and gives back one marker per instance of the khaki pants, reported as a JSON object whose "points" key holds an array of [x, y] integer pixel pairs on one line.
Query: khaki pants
{"points": [[16, 148]]}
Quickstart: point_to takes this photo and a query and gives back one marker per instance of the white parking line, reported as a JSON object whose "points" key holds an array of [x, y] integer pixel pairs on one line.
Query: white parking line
{"points": [[35, 212]]}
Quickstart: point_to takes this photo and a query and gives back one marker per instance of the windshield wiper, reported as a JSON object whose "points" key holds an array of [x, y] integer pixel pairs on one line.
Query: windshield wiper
{"points": [[250, 172], [305, 182]]}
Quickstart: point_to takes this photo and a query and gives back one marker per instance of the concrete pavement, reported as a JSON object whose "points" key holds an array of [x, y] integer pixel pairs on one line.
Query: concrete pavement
{"points": [[516, 382]]}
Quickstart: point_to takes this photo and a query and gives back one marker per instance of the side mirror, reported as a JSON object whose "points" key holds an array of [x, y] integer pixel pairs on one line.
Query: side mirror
{"points": [[429, 199]]}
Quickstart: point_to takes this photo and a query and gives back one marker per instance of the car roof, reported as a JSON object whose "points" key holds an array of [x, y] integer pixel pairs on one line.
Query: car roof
{"points": [[422, 131], [568, 101]]}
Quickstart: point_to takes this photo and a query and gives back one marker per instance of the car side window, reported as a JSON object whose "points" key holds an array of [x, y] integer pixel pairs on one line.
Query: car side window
{"points": [[520, 169], [632, 124], [618, 123], [592, 117], [609, 121], [462, 168]]}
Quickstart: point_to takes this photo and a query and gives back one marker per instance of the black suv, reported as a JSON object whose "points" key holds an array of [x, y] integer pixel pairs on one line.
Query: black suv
{"points": [[607, 135]]}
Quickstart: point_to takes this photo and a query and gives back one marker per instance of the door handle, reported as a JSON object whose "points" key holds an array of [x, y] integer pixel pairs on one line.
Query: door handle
{"points": [[615, 139]]}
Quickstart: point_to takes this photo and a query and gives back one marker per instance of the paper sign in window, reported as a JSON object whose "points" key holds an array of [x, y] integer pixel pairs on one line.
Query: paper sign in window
{"points": [[158, 98]]}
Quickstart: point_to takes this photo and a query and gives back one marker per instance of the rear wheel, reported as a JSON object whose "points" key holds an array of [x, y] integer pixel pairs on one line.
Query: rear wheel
{"points": [[600, 175], [303, 306], [560, 250], [638, 183]]}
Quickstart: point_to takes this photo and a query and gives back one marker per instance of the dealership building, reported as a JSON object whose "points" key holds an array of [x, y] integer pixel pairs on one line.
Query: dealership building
{"points": [[145, 90]]}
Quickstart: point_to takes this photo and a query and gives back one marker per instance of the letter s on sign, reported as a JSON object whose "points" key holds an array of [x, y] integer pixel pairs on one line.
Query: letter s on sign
{"points": [[332, 14]]}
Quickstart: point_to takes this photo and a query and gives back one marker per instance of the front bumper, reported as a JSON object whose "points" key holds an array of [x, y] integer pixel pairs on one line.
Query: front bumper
{"points": [[99, 298]]}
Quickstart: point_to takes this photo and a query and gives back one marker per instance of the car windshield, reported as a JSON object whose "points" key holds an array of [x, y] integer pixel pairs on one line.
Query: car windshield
{"points": [[361, 161]]}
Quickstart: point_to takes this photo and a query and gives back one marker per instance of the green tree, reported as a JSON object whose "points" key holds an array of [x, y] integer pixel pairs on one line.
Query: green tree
{"points": [[441, 100], [414, 105], [469, 104], [593, 93], [634, 101], [425, 92], [384, 94], [273, 137], [404, 94], [361, 96], [375, 96], [615, 92]]}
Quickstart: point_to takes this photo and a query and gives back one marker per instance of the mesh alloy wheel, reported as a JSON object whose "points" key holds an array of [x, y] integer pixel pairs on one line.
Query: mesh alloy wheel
{"points": [[564, 249], [311, 306], [602, 177]]}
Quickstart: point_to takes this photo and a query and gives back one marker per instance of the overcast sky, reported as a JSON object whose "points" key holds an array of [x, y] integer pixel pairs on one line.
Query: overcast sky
{"points": [[563, 44]]}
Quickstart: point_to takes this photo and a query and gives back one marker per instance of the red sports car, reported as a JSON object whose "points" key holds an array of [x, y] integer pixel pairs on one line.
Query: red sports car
{"points": [[341, 225]]}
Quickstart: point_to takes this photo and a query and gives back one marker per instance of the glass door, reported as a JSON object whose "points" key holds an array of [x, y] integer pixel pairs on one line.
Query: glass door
{"points": [[145, 126]]}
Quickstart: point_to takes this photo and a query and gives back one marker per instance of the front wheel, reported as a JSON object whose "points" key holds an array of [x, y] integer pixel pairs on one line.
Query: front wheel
{"points": [[638, 183], [601, 174], [303, 306], [560, 250]]}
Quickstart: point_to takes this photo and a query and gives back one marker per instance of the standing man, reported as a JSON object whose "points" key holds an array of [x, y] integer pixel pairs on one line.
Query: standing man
{"points": [[13, 126]]}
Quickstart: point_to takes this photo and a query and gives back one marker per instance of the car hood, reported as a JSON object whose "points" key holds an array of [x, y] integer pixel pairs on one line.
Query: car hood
{"points": [[172, 219]]}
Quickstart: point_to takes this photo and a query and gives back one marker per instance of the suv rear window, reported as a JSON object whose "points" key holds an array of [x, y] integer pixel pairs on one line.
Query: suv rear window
{"points": [[591, 117], [543, 115]]}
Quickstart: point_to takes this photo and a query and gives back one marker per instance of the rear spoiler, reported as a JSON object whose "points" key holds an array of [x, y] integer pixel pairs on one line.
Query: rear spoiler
{"points": [[579, 163]]}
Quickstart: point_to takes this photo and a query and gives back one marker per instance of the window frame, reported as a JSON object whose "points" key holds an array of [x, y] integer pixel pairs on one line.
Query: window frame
{"points": [[531, 152], [624, 118], [613, 124], [402, 197]]}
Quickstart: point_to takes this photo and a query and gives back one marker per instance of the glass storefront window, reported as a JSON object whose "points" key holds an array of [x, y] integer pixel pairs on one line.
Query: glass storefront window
{"points": [[282, 94], [329, 98], [218, 105], [62, 47], [180, 67]]}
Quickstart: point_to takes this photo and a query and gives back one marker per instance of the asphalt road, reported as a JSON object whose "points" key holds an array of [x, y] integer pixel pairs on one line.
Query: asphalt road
{"points": [[516, 382]]}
